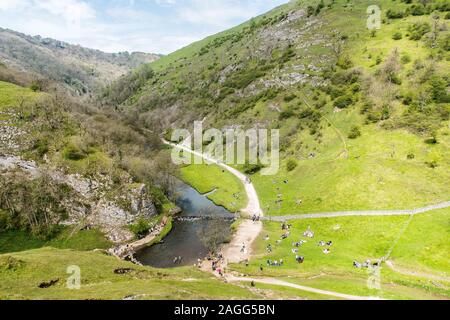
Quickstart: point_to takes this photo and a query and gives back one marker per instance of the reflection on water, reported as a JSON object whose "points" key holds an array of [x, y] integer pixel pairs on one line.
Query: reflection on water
{"points": [[184, 240]]}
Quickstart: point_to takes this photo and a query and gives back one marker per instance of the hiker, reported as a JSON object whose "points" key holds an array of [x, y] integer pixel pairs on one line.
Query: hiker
{"points": [[243, 248]]}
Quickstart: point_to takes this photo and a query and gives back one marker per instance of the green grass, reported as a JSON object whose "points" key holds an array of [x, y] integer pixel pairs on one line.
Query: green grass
{"points": [[15, 241], [361, 238], [11, 95], [377, 174], [229, 191], [98, 280]]}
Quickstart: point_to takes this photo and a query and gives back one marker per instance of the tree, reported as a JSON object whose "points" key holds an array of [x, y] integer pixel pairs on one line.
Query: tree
{"points": [[291, 165], [355, 132]]}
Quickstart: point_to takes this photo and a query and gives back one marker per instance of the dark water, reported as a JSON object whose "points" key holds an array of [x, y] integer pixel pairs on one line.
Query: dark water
{"points": [[185, 238]]}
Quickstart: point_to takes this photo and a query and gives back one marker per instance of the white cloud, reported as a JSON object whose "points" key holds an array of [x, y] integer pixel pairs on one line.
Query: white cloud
{"points": [[216, 12], [159, 26], [12, 4], [72, 11]]}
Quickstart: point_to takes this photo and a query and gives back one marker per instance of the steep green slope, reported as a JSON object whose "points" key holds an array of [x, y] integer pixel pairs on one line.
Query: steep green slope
{"points": [[104, 277], [363, 114], [21, 274]]}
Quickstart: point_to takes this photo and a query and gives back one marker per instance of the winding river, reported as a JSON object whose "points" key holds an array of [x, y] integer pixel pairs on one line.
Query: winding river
{"points": [[189, 228]]}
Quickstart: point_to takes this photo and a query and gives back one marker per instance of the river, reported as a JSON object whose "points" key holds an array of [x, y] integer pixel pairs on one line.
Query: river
{"points": [[186, 240]]}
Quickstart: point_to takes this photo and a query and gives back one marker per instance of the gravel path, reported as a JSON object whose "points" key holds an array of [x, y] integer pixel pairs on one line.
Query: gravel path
{"points": [[277, 282], [360, 213]]}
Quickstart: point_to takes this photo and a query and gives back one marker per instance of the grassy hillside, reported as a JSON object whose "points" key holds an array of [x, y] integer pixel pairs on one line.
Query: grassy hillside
{"points": [[359, 239], [11, 95], [363, 114]]}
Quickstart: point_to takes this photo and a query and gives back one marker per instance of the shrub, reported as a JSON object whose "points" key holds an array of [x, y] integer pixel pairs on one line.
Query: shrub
{"points": [[418, 30], [291, 165], [345, 62], [397, 36], [286, 114], [289, 97], [405, 59], [252, 168], [72, 152], [433, 140], [385, 112], [343, 101], [418, 10], [438, 89], [393, 14], [141, 228], [355, 132]]}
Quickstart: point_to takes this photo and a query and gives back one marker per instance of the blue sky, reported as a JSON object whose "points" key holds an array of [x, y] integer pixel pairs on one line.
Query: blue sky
{"points": [[159, 26]]}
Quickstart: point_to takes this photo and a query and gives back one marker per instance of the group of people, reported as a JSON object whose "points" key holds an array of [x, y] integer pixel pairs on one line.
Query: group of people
{"points": [[367, 264], [216, 264], [177, 260], [275, 263], [326, 245], [256, 218]]}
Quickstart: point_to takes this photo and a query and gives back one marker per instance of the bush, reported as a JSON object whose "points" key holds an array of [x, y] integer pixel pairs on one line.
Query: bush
{"points": [[141, 228], [343, 101], [397, 36], [355, 132], [252, 168], [286, 114], [291, 165], [418, 30], [345, 62], [418, 10], [405, 59], [393, 14], [73, 152], [438, 89], [289, 98]]}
